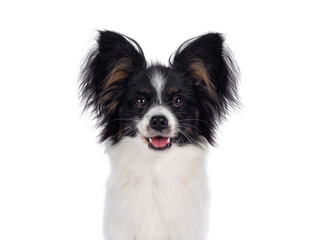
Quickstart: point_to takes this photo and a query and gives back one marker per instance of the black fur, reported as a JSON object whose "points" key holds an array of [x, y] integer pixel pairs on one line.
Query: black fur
{"points": [[205, 104], [222, 71], [110, 48]]}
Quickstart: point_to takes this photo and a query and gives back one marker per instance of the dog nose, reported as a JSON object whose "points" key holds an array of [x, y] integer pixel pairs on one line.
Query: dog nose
{"points": [[159, 122]]}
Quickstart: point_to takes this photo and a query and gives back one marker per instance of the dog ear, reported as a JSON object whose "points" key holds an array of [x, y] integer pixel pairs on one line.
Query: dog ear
{"points": [[208, 64], [105, 72]]}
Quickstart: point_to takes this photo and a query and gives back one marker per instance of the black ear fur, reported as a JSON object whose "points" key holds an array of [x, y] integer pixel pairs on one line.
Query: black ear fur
{"points": [[206, 62], [104, 75]]}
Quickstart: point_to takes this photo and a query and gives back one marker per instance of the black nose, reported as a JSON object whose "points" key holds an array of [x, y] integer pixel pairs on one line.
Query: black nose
{"points": [[159, 122]]}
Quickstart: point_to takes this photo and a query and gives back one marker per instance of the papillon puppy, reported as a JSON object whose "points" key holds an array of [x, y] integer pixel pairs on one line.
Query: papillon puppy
{"points": [[157, 122]]}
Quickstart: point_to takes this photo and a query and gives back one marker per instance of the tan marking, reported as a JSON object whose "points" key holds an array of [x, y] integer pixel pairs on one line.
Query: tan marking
{"points": [[173, 90], [144, 140], [145, 90], [198, 71], [192, 130], [189, 130], [119, 72], [112, 106], [106, 97], [126, 128]]}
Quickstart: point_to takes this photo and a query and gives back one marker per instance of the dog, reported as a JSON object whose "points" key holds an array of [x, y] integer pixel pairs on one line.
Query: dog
{"points": [[157, 123]]}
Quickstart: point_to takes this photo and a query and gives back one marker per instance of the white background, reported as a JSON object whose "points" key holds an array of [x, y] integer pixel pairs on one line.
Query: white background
{"points": [[264, 173]]}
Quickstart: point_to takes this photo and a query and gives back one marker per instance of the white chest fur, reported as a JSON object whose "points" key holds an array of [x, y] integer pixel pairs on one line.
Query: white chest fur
{"points": [[156, 195]]}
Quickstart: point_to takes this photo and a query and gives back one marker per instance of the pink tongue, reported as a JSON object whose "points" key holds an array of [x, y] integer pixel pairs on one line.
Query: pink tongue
{"points": [[159, 142]]}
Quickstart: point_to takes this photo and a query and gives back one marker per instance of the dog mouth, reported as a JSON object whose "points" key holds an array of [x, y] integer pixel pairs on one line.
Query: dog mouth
{"points": [[159, 143]]}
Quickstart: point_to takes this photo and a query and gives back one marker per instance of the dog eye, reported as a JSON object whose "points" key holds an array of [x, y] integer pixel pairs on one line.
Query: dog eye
{"points": [[178, 101], [140, 101]]}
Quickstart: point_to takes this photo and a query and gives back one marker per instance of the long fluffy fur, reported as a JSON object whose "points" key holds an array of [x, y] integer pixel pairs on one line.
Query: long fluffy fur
{"points": [[110, 49], [156, 195], [222, 71], [158, 192]]}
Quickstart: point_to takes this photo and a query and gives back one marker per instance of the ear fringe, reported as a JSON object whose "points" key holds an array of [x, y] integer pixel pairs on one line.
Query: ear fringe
{"points": [[117, 74], [87, 86], [207, 57], [230, 97], [172, 58], [103, 76]]}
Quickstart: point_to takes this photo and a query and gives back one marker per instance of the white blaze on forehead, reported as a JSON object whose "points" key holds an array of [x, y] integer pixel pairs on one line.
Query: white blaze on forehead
{"points": [[158, 82]]}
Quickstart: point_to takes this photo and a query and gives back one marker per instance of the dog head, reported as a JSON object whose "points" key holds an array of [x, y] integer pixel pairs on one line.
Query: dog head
{"points": [[162, 105]]}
